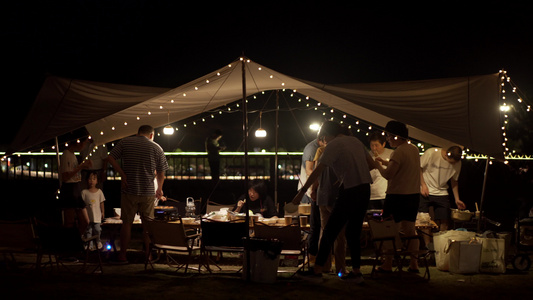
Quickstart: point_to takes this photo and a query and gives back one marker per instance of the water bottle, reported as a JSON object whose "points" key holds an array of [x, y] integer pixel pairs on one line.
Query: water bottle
{"points": [[190, 208]]}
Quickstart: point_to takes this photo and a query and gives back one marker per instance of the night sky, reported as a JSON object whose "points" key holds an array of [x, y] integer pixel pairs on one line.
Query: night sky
{"points": [[169, 43]]}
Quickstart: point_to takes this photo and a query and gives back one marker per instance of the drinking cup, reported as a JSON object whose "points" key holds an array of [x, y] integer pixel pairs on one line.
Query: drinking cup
{"points": [[288, 220], [303, 221]]}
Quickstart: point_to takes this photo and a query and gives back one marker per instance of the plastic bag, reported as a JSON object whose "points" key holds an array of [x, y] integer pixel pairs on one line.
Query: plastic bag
{"points": [[423, 218], [492, 255]]}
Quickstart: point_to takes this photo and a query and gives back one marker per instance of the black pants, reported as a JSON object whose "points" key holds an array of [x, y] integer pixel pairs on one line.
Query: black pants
{"points": [[315, 224], [349, 209], [214, 165]]}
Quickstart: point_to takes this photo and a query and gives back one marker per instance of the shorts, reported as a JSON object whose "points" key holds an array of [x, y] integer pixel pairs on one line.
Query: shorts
{"points": [[376, 204], [401, 207], [441, 206], [132, 204], [70, 195]]}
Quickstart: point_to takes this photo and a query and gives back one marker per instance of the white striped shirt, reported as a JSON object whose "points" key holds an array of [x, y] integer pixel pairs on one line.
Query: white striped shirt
{"points": [[141, 158]]}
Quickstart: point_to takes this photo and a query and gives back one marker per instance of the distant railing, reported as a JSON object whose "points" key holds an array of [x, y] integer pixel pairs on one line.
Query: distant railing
{"points": [[182, 166]]}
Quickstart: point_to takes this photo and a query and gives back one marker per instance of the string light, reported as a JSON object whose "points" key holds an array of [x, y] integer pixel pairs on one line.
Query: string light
{"points": [[360, 126], [507, 107]]}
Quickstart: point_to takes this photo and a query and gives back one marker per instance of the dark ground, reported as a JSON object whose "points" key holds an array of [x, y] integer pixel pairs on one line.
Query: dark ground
{"points": [[132, 281]]}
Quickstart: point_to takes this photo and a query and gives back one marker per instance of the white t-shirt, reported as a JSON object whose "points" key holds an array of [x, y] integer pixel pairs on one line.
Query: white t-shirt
{"points": [[93, 200], [346, 155], [69, 163], [96, 154], [437, 171], [378, 188]]}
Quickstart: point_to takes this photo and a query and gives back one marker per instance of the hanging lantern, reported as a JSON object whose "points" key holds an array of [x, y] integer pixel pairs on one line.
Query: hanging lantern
{"points": [[260, 133], [168, 130]]}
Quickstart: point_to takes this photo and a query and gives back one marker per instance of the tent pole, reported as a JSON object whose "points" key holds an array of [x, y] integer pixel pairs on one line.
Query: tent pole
{"points": [[58, 162], [483, 194], [245, 136], [276, 152], [59, 177]]}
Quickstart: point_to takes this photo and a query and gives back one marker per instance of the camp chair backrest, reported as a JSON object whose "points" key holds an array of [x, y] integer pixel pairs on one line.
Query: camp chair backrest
{"points": [[384, 230], [166, 233], [290, 235], [223, 234], [58, 239], [17, 235]]}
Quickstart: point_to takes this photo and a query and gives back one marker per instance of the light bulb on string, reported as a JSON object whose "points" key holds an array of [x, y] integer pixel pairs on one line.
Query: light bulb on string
{"points": [[260, 133], [168, 130]]}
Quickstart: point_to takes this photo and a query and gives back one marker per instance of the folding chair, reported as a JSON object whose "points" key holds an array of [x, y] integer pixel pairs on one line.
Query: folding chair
{"points": [[222, 237], [17, 236], [170, 237], [291, 237], [59, 242], [388, 241]]}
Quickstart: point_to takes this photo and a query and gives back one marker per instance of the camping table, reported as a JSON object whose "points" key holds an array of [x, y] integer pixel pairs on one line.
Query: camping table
{"points": [[425, 228]]}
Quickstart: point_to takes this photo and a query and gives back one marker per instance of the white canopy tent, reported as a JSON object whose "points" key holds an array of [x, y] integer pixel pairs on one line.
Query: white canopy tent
{"points": [[441, 112]]}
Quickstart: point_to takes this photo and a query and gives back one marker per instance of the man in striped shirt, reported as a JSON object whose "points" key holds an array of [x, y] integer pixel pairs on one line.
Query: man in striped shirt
{"points": [[142, 160]]}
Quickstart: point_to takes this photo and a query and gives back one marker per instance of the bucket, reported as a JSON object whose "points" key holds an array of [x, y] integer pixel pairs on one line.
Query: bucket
{"points": [[264, 259]]}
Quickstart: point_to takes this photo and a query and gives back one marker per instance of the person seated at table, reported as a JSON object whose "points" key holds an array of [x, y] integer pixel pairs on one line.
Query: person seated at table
{"points": [[258, 200]]}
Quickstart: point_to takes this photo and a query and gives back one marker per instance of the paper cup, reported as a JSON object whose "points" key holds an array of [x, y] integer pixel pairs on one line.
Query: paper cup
{"points": [[288, 220], [303, 221]]}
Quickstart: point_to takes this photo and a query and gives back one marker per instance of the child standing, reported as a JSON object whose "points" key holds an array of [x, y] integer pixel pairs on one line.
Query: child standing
{"points": [[94, 199]]}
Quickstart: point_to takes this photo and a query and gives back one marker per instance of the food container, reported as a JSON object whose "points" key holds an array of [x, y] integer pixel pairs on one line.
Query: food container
{"points": [[304, 209], [166, 213], [238, 216], [188, 221], [461, 215], [269, 221]]}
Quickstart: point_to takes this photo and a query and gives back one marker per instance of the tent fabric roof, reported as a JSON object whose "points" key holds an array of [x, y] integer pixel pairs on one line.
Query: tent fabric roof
{"points": [[442, 112], [64, 105]]}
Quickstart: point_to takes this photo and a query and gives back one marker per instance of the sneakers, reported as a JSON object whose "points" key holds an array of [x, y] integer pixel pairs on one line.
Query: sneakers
{"points": [[100, 246], [353, 277], [310, 276]]}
